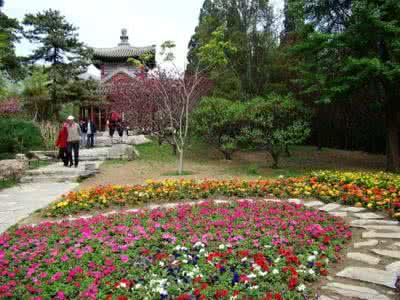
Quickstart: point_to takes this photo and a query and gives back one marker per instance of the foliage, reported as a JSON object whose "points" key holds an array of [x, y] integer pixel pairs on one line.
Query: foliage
{"points": [[375, 191], [49, 132], [19, 136], [219, 122], [249, 27], [160, 254], [9, 62], [10, 107], [36, 95], [58, 45], [273, 123], [354, 50]]}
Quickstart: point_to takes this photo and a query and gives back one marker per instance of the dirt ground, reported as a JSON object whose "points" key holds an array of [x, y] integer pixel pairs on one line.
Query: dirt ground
{"points": [[204, 162]]}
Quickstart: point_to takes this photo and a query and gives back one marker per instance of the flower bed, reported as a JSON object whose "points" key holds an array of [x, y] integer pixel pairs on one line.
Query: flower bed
{"points": [[379, 191], [240, 249]]}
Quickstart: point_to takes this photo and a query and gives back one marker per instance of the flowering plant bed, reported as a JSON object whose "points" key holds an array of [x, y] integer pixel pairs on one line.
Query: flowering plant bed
{"points": [[380, 191], [240, 249]]}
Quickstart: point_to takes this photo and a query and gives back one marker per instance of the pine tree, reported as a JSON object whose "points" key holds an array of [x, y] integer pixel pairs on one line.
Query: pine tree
{"points": [[59, 46]]}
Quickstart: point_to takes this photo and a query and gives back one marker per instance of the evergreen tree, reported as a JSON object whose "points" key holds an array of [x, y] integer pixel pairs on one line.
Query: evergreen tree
{"points": [[58, 45], [355, 45], [9, 62]]}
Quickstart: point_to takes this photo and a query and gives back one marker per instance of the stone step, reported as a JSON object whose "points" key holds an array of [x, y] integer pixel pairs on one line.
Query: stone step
{"points": [[358, 223], [330, 207], [44, 179], [394, 267], [368, 215], [388, 253], [365, 258], [359, 292], [369, 243], [382, 235], [380, 277]]}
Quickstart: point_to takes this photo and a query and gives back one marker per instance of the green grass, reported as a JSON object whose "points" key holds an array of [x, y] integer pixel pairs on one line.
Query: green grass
{"points": [[7, 183], [175, 173]]}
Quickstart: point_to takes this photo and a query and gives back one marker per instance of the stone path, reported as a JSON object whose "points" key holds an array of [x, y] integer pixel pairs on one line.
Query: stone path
{"points": [[19, 202]]}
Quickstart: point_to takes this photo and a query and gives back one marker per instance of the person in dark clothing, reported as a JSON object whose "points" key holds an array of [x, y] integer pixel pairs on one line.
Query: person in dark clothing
{"points": [[91, 131], [83, 126]]}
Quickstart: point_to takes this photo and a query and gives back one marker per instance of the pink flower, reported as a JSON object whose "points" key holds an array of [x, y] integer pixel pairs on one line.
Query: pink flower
{"points": [[124, 258]]}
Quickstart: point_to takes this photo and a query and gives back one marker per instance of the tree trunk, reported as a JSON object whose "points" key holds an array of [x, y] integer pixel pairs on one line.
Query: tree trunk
{"points": [[174, 149], [287, 152], [275, 157], [180, 163], [227, 155], [392, 143]]}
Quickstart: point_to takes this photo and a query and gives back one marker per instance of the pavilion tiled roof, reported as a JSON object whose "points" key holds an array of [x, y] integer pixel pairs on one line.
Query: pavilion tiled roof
{"points": [[122, 51]]}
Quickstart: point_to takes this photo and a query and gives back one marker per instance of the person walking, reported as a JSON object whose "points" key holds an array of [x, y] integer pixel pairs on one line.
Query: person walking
{"points": [[73, 139], [91, 131], [83, 126], [61, 143]]}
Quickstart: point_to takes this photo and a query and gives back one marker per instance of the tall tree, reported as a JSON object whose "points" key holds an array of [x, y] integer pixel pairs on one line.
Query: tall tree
{"points": [[9, 29], [249, 25], [355, 45], [58, 44]]}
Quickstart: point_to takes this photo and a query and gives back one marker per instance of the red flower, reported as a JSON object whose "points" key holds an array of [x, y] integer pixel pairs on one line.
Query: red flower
{"points": [[183, 297], [292, 283], [122, 298], [221, 294], [323, 272], [196, 292], [204, 285]]}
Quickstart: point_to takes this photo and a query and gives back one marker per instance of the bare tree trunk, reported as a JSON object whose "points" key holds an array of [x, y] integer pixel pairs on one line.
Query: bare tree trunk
{"points": [[180, 163], [392, 144]]}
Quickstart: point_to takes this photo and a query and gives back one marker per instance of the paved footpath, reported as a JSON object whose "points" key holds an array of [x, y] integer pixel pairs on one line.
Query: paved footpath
{"points": [[19, 202]]}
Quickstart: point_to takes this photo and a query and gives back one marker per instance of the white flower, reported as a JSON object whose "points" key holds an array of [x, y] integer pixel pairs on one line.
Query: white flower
{"points": [[221, 247], [138, 286], [185, 261], [263, 273], [275, 271], [198, 245], [164, 292], [311, 258], [277, 260], [252, 275], [122, 284], [244, 259], [254, 287], [301, 287], [315, 252], [161, 264], [311, 272], [202, 250]]}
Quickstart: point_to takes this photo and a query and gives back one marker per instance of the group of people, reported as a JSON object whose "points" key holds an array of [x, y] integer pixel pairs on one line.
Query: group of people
{"points": [[71, 136]]}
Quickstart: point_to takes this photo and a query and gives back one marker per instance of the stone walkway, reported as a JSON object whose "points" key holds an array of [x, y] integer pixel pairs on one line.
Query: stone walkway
{"points": [[19, 202], [371, 269]]}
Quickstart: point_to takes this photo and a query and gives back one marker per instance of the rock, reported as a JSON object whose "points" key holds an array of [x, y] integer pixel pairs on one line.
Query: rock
{"points": [[383, 235], [395, 228], [323, 297], [103, 141], [341, 214], [369, 243], [12, 168], [330, 207], [368, 215], [359, 292], [313, 203], [396, 244], [389, 253], [386, 278], [352, 209], [358, 223], [394, 267], [136, 140], [365, 258], [121, 151]]}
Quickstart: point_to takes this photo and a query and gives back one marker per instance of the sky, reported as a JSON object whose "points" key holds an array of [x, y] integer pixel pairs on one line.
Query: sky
{"points": [[100, 21]]}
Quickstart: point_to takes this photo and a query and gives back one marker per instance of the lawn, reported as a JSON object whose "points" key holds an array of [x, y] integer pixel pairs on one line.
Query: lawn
{"points": [[202, 161]]}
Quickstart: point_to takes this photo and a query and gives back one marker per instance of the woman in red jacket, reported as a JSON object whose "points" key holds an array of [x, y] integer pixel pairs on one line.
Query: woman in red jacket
{"points": [[61, 143]]}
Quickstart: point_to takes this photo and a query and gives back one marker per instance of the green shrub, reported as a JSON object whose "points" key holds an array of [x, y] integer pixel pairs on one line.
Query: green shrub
{"points": [[19, 136], [218, 121]]}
